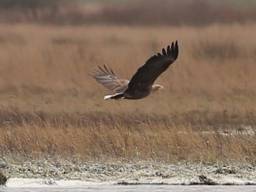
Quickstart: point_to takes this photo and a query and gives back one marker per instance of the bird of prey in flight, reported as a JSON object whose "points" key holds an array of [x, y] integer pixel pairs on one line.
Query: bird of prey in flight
{"points": [[142, 82]]}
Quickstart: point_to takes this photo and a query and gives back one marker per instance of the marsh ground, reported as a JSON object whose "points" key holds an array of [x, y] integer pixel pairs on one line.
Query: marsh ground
{"points": [[51, 105]]}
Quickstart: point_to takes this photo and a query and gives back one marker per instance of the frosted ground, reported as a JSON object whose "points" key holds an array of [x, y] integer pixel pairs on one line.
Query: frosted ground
{"points": [[53, 172]]}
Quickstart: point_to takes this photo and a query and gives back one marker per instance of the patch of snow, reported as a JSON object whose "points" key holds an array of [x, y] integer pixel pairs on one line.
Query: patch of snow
{"points": [[40, 183]]}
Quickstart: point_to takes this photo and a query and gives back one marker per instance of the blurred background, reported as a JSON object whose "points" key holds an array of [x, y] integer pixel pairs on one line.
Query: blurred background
{"points": [[50, 104], [124, 12]]}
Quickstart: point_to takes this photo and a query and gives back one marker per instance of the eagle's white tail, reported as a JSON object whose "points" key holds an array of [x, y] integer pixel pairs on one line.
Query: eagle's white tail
{"points": [[115, 96], [106, 97]]}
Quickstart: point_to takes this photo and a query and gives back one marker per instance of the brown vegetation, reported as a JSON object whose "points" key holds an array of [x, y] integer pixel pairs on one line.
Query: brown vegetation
{"points": [[50, 105], [3, 179]]}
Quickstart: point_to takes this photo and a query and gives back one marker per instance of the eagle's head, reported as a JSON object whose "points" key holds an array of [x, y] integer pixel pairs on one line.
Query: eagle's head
{"points": [[157, 87]]}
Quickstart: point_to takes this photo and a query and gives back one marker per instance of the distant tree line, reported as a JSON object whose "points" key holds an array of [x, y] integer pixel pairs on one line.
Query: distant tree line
{"points": [[182, 12], [130, 12], [29, 3]]}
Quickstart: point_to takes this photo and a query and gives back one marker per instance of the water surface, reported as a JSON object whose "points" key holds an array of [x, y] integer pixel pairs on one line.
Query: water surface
{"points": [[135, 188]]}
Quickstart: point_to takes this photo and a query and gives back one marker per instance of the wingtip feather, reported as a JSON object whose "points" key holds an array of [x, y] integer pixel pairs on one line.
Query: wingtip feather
{"points": [[176, 49]]}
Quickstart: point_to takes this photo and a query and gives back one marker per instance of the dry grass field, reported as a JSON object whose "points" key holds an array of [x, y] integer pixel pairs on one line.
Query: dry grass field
{"points": [[49, 105]]}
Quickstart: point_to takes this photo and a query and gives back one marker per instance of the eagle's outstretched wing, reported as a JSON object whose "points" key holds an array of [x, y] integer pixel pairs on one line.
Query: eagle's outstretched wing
{"points": [[106, 76], [153, 68]]}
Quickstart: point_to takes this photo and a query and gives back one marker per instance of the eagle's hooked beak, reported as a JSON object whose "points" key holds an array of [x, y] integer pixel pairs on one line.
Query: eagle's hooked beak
{"points": [[157, 87], [161, 87]]}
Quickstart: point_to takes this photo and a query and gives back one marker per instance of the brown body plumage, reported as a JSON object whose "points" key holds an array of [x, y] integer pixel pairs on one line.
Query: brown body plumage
{"points": [[142, 82]]}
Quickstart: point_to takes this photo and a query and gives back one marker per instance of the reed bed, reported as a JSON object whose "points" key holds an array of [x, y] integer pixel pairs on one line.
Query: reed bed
{"points": [[49, 104]]}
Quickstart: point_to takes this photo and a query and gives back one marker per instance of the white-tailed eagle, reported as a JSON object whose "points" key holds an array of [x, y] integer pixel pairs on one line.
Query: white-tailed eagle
{"points": [[142, 82]]}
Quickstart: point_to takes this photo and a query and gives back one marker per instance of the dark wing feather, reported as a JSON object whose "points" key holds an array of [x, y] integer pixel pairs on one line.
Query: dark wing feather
{"points": [[106, 76], [154, 67]]}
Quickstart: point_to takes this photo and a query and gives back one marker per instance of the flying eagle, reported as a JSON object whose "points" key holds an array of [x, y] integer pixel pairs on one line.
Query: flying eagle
{"points": [[142, 82]]}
